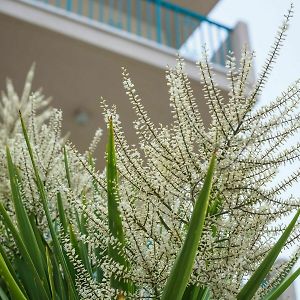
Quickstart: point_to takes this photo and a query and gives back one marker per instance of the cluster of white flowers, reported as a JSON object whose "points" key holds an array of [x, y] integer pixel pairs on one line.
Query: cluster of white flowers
{"points": [[36, 112], [160, 179], [44, 129]]}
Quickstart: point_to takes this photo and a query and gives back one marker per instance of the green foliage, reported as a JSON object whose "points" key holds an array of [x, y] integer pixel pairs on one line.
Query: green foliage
{"points": [[42, 258], [182, 268], [14, 289], [277, 291], [168, 219], [252, 285], [115, 250]]}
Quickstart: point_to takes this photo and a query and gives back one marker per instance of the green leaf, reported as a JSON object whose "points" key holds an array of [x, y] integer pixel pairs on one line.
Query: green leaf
{"points": [[92, 165], [83, 249], [252, 285], [214, 208], [43, 196], [25, 228], [3, 295], [73, 240], [80, 249], [114, 216], [191, 292], [115, 221], [67, 167], [61, 213], [65, 225], [275, 293], [204, 294], [23, 250], [184, 262], [22, 269], [59, 280], [215, 205], [50, 274], [11, 270], [40, 240], [14, 289]]}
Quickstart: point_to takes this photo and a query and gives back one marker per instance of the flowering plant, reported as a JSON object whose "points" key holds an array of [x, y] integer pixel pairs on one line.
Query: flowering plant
{"points": [[186, 214]]}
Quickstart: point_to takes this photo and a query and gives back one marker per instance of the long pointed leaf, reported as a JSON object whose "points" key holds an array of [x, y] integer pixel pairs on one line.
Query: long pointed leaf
{"points": [[13, 287], [204, 294], [274, 294], [24, 225], [3, 295], [65, 225], [83, 250], [11, 270], [67, 167], [183, 265], [191, 292], [50, 274], [23, 270], [114, 216], [23, 250], [252, 285], [44, 200], [61, 213], [59, 280], [115, 221]]}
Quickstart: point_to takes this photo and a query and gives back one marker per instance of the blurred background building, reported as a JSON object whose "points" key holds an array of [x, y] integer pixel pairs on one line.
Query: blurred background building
{"points": [[80, 46]]}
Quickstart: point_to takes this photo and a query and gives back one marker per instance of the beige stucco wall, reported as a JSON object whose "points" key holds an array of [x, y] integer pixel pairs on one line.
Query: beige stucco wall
{"points": [[77, 74]]}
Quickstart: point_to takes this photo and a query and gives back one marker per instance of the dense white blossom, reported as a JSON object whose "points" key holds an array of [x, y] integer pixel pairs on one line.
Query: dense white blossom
{"points": [[160, 178], [44, 128]]}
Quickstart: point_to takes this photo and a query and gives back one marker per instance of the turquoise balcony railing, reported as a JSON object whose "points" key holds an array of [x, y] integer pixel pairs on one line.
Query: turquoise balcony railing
{"points": [[157, 20]]}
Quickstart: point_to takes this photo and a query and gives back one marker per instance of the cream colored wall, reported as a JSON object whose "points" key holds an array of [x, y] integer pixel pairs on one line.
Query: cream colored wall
{"points": [[77, 74]]}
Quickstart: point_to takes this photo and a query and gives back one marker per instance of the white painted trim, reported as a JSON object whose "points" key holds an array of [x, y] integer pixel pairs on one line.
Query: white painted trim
{"points": [[103, 36]]}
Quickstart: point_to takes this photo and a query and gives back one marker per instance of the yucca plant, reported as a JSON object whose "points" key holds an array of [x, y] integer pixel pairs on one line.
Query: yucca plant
{"points": [[53, 276], [185, 214]]}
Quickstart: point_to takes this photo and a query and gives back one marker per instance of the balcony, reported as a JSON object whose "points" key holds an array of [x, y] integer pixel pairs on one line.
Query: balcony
{"points": [[162, 22], [79, 47]]}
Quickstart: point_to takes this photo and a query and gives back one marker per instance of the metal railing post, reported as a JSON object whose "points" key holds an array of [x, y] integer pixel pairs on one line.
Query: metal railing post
{"points": [[129, 15], [101, 11], [139, 17], [91, 9], [158, 20], [58, 3], [69, 5]]}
